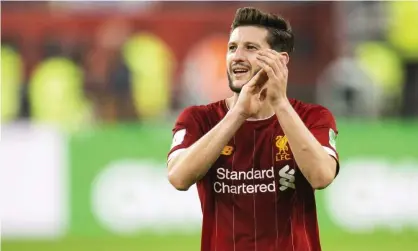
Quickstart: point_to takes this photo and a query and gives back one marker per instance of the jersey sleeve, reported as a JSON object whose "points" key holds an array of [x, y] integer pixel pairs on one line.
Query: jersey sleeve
{"points": [[324, 129], [186, 131]]}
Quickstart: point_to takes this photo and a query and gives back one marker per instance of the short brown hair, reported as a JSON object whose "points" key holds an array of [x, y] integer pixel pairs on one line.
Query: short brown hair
{"points": [[280, 36]]}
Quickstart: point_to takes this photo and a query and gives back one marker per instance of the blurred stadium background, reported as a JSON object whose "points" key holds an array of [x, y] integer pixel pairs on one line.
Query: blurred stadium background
{"points": [[90, 91]]}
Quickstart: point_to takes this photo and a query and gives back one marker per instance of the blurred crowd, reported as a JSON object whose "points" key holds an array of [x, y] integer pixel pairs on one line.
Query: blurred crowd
{"points": [[74, 63]]}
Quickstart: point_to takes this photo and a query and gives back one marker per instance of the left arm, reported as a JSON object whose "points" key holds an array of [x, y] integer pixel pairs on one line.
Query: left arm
{"points": [[318, 167]]}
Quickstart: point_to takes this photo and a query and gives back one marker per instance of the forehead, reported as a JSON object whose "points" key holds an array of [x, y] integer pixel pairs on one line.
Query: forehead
{"points": [[249, 34]]}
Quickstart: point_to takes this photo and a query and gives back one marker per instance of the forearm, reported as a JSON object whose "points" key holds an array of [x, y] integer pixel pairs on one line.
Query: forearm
{"points": [[192, 164], [314, 162]]}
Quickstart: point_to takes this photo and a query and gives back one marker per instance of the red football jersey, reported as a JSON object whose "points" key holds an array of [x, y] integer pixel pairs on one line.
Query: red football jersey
{"points": [[254, 196]]}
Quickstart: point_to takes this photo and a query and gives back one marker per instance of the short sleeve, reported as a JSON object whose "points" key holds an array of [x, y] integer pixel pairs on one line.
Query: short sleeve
{"points": [[324, 128], [186, 131]]}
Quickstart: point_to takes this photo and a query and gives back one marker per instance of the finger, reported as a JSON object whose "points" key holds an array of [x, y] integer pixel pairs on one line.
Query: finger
{"points": [[272, 59], [279, 58], [281, 61], [283, 67], [269, 53], [270, 62], [259, 79], [275, 54], [267, 68], [253, 81]]}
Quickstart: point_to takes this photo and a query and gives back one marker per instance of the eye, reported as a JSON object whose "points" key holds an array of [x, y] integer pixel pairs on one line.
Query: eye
{"points": [[252, 48], [232, 48]]}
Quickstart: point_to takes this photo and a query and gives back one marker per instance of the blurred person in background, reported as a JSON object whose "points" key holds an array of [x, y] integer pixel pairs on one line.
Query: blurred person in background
{"points": [[256, 157], [376, 75], [204, 76], [55, 87], [108, 83], [403, 20], [12, 88], [348, 90], [151, 62]]}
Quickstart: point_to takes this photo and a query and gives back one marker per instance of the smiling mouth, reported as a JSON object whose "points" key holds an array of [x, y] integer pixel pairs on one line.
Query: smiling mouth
{"points": [[238, 72]]}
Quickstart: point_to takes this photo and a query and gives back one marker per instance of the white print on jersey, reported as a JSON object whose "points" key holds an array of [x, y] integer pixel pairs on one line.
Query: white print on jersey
{"points": [[332, 139], [265, 181], [287, 179], [178, 138]]}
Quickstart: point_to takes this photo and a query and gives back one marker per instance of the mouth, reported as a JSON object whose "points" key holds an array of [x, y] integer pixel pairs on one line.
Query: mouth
{"points": [[240, 71]]}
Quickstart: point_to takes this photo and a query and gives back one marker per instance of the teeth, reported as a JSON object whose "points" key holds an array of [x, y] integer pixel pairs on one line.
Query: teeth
{"points": [[240, 71]]}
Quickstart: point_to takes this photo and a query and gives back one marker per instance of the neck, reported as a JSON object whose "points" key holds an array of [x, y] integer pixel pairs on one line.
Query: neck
{"points": [[265, 111]]}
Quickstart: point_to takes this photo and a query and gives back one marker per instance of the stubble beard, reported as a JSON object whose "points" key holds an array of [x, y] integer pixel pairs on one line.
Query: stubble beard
{"points": [[231, 85], [233, 88]]}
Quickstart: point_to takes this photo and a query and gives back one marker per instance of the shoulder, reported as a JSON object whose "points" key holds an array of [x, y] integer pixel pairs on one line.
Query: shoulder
{"points": [[309, 109], [204, 111], [311, 113]]}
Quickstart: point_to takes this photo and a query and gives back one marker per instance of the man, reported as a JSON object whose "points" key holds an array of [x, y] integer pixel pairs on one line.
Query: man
{"points": [[256, 157]]}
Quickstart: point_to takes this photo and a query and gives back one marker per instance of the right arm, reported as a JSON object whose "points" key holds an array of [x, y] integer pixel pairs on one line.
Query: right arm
{"points": [[192, 163]]}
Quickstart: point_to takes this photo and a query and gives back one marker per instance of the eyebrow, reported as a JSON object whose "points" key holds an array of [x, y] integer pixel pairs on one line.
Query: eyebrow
{"points": [[245, 43]]}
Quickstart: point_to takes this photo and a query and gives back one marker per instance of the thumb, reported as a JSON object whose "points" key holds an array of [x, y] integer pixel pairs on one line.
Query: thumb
{"points": [[258, 80]]}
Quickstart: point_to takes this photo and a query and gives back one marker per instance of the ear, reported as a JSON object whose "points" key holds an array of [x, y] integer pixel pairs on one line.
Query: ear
{"points": [[286, 57]]}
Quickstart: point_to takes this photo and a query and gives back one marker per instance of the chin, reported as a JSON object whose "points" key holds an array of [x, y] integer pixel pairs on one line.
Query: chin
{"points": [[237, 85], [241, 82]]}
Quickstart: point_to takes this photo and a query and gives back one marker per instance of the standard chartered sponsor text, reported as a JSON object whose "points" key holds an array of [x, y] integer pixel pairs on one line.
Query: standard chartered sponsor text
{"points": [[258, 176]]}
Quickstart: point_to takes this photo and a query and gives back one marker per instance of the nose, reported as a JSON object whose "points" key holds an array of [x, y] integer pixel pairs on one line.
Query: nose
{"points": [[239, 55]]}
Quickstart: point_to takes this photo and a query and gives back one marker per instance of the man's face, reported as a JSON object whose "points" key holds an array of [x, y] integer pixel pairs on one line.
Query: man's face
{"points": [[244, 42]]}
